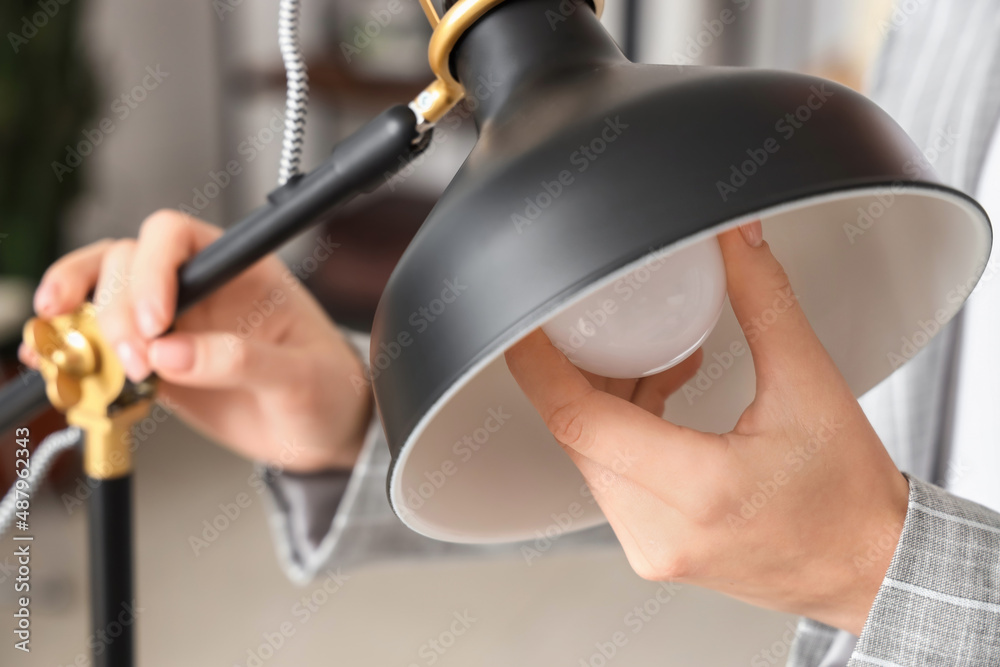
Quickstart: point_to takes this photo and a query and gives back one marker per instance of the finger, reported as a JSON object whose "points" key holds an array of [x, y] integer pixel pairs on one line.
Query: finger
{"points": [[217, 360], [652, 392], [622, 388], [27, 356], [67, 283], [608, 430], [777, 331], [167, 239], [113, 303]]}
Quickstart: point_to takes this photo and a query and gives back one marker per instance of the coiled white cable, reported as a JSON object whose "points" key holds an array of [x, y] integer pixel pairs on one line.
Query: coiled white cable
{"points": [[297, 97], [41, 459]]}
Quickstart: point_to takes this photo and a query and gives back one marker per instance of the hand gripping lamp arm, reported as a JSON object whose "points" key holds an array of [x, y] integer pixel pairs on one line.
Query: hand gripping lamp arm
{"points": [[356, 165], [81, 376]]}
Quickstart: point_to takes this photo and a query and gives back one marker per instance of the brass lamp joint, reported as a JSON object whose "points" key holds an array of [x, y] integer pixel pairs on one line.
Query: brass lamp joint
{"points": [[445, 92], [85, 380]]}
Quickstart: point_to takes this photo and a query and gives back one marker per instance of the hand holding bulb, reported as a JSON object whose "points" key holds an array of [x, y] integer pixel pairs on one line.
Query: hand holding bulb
{"points": [[677, 507]]}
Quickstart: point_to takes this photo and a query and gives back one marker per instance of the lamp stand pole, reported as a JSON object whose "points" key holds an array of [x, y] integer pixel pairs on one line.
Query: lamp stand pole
{"points": [[112, 598]]}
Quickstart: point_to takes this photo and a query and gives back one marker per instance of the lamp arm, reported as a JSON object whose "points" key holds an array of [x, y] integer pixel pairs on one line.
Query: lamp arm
{"points": [[358, 164]]}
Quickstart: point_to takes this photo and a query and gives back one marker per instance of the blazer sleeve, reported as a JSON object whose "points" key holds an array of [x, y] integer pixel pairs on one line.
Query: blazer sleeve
{"points": [[322, 523], [304, 509], [342, 519], [939, 603]]}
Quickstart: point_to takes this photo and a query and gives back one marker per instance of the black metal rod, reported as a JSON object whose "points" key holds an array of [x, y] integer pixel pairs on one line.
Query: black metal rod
{"points": [[112, 600], [358, 164]]}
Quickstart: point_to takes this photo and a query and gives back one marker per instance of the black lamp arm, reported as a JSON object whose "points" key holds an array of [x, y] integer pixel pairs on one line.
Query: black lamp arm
{"points": [[358, 164]]}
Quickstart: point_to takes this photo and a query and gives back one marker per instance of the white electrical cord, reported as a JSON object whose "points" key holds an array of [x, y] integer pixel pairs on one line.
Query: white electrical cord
{"points": [[297, 97], [41, 459]]}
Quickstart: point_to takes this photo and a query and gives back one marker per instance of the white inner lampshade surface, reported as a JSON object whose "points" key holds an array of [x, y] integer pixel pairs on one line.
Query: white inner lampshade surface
{"points": [[876, 281]]}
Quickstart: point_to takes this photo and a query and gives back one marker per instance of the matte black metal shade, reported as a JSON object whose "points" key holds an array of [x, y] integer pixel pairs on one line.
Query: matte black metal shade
{"points": [[586, 165]]}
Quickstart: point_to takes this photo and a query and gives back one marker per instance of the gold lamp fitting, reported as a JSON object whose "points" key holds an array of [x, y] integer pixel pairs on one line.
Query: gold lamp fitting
{"points": [[85, 380], [445, 92]]}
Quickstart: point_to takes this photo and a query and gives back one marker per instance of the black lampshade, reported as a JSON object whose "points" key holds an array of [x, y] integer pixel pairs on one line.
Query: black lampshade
{"points": [[586, 164]]}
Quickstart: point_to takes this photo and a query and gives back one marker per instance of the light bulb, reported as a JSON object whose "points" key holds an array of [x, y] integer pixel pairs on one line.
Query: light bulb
{"points": [[650, 320]]}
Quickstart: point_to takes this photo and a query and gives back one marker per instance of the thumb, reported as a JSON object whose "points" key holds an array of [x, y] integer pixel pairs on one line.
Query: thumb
{"points": [[777, 331]]}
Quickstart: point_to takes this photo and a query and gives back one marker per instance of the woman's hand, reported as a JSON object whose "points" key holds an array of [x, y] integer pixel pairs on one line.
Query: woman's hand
{"points": [[783, 510], [257, 366]]}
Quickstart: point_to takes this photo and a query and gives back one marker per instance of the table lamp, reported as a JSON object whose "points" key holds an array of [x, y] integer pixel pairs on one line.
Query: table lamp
{"points": [[589, 208]]}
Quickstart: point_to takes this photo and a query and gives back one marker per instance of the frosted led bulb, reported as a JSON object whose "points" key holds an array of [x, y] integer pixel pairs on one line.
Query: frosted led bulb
{"points": [[650, 320]]}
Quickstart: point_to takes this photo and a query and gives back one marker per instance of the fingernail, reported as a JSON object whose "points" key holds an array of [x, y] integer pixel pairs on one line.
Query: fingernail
{"points": [[147, 319], [135, 367], [753, 234], [46, 299], [172, 354]]}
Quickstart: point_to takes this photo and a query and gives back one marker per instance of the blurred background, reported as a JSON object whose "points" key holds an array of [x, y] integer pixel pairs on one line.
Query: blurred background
{"points": [[111, 109]]}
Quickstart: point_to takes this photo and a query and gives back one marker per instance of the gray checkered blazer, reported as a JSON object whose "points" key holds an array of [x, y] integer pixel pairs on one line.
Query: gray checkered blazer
{"points": [[940, 601]]}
